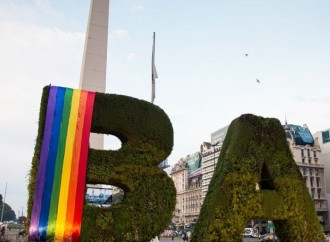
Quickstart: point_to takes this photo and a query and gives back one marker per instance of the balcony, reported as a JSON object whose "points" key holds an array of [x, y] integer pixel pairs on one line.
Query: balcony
{"points": [[300, 164]]}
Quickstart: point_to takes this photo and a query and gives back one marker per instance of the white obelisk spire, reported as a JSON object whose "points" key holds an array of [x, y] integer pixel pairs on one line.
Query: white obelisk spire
{"points": [[94, 64]]}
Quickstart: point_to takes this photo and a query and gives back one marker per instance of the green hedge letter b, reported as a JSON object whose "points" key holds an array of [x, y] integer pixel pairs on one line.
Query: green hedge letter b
{"points": [[146, 134]]}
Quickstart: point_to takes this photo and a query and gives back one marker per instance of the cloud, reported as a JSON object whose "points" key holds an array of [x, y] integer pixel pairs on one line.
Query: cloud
{"points": [[121, 33], [138, 8], [31, 57], [131, 56]]}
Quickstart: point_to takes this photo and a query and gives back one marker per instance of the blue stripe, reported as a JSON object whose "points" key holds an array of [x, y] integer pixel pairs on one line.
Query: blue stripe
{"points": [[43, 221]]}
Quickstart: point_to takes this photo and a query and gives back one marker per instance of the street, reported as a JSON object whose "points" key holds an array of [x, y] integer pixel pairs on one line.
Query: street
{"points": [[169, 239], [12, 235]]}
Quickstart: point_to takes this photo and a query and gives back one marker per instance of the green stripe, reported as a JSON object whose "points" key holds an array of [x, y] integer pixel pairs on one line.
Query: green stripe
{"points": [[58, 165]]}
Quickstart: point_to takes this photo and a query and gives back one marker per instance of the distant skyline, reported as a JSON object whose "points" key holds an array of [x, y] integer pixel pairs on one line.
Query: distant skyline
{"points": [[205, 80]]}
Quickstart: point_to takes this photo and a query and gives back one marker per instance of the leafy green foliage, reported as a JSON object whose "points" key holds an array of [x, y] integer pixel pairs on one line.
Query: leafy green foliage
{"points": [[255, 151], [8, 213], [146, 135]]}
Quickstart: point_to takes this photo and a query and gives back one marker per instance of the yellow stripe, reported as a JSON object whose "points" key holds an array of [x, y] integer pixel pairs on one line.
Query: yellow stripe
{"points": [[66, 170]]}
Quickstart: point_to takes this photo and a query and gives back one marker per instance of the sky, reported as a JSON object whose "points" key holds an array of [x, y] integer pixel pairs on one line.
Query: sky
{"points": [[205, 80]]}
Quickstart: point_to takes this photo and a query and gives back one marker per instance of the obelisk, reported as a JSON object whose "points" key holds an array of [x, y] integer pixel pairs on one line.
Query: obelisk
{"points": [[94, 63]]}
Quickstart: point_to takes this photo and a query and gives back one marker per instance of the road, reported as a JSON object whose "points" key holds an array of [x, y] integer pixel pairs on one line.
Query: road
{"points": [[12, 236], [164, 239]]}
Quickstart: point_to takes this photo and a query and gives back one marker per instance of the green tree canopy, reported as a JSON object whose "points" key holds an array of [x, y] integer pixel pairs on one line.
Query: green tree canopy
{"points": [[8, 213]]}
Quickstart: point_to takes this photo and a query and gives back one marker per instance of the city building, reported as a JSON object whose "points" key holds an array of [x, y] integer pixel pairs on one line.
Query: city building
{"points": [[322, 138], [306, 152], [179, 175], [210, 155], [219, 135], [187, 177], [190, 181], [99, 195]]}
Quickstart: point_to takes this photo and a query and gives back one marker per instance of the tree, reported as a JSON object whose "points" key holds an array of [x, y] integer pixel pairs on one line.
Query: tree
{"points": [[8, 213]]}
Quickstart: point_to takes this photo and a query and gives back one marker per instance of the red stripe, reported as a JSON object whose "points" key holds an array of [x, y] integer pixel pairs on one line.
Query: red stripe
{"points": [[76, 226]]}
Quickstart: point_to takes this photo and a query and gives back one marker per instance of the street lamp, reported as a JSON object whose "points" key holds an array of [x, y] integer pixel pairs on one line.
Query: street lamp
{"points": [[214, 145]]}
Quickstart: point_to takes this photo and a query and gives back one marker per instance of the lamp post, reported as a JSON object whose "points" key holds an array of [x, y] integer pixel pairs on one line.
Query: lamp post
{"points": [[214, 145]]}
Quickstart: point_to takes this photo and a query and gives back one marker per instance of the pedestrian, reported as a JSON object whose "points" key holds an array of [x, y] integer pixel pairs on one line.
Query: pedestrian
{"points": [[185, 236], [3, 231]]}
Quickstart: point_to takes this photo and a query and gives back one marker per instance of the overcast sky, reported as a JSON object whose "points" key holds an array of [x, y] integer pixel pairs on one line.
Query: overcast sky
{"points": [[205, 79]]}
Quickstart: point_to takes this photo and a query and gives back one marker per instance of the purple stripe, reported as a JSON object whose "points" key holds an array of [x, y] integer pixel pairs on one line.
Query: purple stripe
{"points": [[33, 232]]}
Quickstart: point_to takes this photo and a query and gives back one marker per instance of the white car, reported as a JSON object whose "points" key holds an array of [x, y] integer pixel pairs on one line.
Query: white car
{"points": [[248, 232]]}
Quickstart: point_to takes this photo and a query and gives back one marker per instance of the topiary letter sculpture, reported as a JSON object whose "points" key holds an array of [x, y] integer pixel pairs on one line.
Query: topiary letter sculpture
{"points": [[63, 163], [255, 152]]}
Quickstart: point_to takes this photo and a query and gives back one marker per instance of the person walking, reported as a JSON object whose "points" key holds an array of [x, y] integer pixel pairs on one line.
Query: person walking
{"points": [[3, 229], [185, 236]]}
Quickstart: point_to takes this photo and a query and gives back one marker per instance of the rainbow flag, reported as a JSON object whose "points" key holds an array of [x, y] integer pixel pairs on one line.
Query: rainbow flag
{"points": [[59, 192]]}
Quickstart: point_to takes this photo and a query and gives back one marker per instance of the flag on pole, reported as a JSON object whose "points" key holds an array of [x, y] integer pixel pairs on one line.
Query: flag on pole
{"points": [[153, 72]]}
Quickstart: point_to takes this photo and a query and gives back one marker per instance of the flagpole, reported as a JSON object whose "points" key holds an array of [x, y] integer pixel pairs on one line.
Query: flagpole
{"points": [[153, 71]]}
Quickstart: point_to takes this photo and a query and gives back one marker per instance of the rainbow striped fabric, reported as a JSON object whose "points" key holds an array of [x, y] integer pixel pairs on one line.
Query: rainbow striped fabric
{"points": [[59, 192]]}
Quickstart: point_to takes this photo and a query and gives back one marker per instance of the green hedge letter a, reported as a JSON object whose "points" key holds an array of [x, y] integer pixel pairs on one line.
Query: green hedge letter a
{"points": [[257, 178]]}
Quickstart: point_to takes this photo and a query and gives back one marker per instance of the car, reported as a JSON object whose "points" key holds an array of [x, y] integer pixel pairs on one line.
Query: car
{"points": [[22, 232], [268, 237], [248, 232]]}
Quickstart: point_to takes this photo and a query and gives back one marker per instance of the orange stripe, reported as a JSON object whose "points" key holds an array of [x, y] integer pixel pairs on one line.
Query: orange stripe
{"points": [[82, 167], [75, 166]]}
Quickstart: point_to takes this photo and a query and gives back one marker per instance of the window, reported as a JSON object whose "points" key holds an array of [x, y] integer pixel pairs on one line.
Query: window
{"points": [[312, 192], [311, 179], [304, 171], [311, 171], [325, 136], [309, 160], [302, 153], [303, 160], [319, 194], [316, 172], [314, 153], [317, 182], [308, 152]]}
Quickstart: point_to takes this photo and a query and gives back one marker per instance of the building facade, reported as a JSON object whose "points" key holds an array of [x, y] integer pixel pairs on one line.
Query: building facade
{"points": [[193, 196], [322, 138], [210, 155], [306, 152], [192, 182], [187, 177]]}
